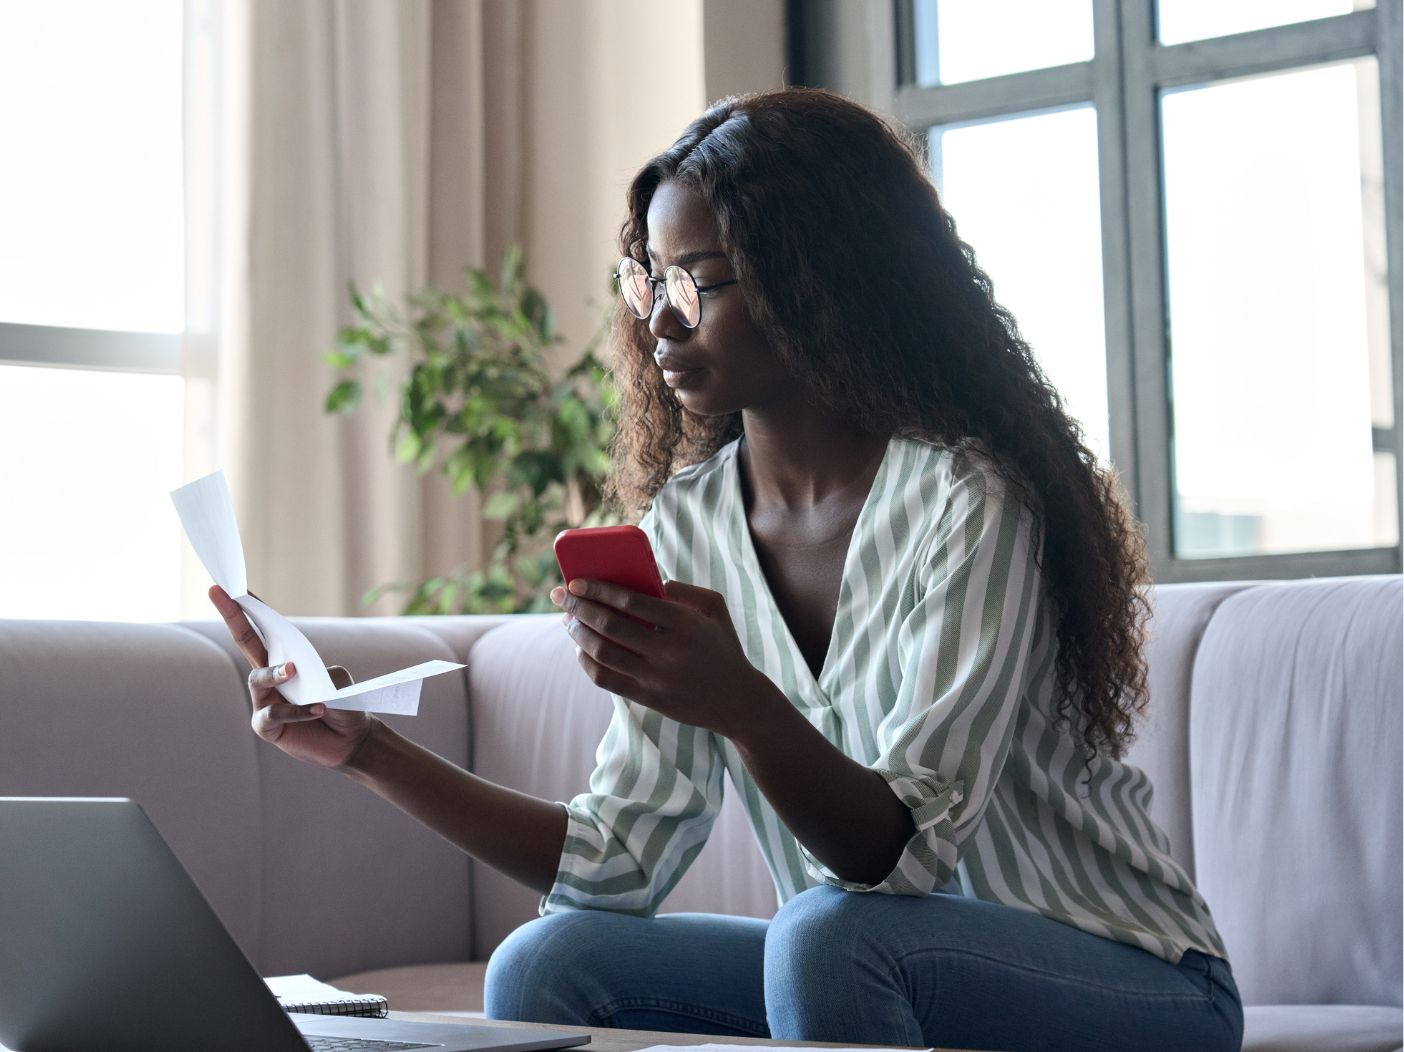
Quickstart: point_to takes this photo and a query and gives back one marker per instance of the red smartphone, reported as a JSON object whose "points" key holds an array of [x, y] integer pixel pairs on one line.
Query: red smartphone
{"points": [[618, 554]]}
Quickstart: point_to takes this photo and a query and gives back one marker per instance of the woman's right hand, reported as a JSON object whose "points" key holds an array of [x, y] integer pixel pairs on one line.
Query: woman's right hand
{"points": [[311, 733]]}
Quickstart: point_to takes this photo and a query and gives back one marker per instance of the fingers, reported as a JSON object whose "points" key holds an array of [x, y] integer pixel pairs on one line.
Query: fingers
{"points": [[607, 678], [613, 624], [268, 722], [603, 651], [641, 607], [339, 676], [264, 683], [245, 638]]}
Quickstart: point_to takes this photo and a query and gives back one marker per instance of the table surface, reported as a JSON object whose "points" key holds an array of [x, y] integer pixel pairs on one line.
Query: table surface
{"points": [[604, 1040]]}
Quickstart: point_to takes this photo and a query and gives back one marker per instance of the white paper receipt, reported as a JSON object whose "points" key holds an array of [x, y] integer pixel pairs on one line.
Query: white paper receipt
{"points": [[207, 514]]}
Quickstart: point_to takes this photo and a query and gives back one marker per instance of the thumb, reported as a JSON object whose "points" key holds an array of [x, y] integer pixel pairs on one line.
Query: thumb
{"points": [[703, 600]]}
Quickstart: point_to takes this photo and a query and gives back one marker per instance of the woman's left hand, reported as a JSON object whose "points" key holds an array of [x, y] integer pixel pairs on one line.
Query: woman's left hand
{"points": [[690, 668]]}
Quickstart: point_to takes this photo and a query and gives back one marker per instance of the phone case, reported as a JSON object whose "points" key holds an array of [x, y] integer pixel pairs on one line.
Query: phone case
{"points": [[618, 554]]}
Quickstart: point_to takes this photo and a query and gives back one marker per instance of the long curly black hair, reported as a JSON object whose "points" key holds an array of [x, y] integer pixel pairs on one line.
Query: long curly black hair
{"points": [[853, 270]]}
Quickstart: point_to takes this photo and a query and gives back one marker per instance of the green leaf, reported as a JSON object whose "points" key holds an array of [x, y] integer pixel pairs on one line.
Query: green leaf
{"points": [[343, 397], [479, 286], [537, 314], [409, 448], [339, 359], [500, 505], [511, 268], [448, 597]]}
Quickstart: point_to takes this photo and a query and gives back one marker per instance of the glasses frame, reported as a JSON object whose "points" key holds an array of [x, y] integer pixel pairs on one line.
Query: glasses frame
{"points": [[674, 280]]}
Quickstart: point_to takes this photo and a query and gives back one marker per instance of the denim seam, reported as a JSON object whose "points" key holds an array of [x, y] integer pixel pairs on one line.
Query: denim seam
{"points": [[1215, 993], [680, 1008], [1194, 997]]}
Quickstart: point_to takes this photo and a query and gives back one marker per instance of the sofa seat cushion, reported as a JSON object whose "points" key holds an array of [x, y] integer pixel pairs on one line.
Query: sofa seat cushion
{"points": [[457, 989], [1322, 1028], [442, 988]]}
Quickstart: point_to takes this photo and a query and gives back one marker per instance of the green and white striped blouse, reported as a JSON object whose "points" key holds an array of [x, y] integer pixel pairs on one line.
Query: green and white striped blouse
{"points": [[939, 676]]}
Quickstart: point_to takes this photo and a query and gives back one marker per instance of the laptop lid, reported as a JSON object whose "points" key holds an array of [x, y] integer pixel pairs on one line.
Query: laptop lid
{"points": [[106, 942]]}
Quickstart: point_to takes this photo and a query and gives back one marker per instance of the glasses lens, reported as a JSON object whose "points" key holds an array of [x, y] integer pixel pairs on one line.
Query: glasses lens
{"points": [[682, 296], [634, 287]]}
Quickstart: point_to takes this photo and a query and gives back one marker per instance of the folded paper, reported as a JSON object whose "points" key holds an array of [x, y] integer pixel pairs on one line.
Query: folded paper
{"points": [[207, 515]]}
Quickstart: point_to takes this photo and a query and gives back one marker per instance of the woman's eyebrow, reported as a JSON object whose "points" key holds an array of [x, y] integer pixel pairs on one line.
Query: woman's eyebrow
{"points": [[688, 258]]}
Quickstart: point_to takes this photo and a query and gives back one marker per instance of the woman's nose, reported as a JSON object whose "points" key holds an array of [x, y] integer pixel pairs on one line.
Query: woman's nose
{"points": [[663, 322]]}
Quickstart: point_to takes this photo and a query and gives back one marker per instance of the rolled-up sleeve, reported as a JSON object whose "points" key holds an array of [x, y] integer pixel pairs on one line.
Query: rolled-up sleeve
{"points": [[964, 651], [654, 795]]}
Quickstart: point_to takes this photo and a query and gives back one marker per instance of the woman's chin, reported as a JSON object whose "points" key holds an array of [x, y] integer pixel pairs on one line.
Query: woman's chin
{"points": [[698, 404]]}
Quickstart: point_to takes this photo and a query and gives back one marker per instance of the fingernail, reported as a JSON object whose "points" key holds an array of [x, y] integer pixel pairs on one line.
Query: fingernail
{"points": [[318, 709], [577, 587], [557, 594]]}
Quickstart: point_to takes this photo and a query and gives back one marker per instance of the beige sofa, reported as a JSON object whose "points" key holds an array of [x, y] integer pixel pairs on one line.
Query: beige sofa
{"points": [[1274, 744]]}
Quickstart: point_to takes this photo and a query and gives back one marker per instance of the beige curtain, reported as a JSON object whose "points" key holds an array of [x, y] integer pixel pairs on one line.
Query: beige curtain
{"points": [[399, 140], [359, 151]]}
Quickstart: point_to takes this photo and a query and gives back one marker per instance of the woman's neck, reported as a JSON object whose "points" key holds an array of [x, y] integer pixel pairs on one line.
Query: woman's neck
{"points": [[807, 458]]}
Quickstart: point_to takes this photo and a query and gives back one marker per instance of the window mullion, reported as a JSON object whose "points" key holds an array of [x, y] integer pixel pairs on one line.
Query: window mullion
{"points": [[975, 100], [1391, 44], [1281, 566], [1107, 96], [1146, 236], [55, 346], [1265, 50]]}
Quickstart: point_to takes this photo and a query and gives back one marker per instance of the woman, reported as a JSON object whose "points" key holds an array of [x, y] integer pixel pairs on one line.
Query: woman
{"points": [[902, 617]]}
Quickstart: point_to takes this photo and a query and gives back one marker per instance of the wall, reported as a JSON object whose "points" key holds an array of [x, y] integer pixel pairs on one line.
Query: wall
{"points": [[610, 83]]}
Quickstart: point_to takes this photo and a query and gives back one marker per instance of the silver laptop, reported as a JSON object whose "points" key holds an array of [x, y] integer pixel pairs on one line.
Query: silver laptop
{"points": [[106, 943]]}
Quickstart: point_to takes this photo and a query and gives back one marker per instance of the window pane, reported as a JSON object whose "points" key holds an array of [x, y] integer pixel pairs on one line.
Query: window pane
{"points": [[89, 531], [959, 40], [1277, 301], [90, 194], [1181, 20], [1036, 230]]}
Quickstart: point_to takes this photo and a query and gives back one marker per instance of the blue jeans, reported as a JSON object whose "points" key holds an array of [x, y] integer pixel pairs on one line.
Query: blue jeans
{"points": [[860, 968]]}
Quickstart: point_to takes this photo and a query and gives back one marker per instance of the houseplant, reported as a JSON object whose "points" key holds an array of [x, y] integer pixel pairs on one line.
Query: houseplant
{"points": [[479, 404]]}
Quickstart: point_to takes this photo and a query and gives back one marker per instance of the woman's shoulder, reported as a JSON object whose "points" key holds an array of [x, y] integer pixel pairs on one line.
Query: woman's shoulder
{"points": [[696, 476], [688, 484], [944, 469]]}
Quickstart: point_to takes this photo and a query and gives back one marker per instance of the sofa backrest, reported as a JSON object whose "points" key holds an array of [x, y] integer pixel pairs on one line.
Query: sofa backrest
{"points": [[1181, 613], [308, 871], [1295, 788], [1223, 659], [1273, 740]]}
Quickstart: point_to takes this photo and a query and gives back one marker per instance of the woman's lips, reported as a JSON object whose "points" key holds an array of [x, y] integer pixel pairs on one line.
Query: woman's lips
{"points": [[677, 370], [676, 378]]}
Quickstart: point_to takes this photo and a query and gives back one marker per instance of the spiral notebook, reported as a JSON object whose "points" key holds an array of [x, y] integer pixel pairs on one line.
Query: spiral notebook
{"points": [[302, 993]]}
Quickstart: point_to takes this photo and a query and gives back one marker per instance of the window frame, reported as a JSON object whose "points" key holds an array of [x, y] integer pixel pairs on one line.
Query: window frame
{"points": [[874, 62], [111, 350], [53, 346], [192, 354]]}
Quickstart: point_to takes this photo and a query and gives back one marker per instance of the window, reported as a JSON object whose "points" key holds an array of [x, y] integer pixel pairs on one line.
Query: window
{"points": [[1225, 316], [92, 307]]}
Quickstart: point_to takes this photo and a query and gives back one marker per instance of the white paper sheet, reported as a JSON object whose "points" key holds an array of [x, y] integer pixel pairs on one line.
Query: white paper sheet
{"points": [[207, 514]]}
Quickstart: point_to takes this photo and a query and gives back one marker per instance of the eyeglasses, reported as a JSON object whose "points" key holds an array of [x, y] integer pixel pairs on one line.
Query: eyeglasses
{"points": [[638, 290]]}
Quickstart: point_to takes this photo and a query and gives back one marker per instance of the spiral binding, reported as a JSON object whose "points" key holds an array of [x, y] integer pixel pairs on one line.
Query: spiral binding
{"points": [[370, 1007]]}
